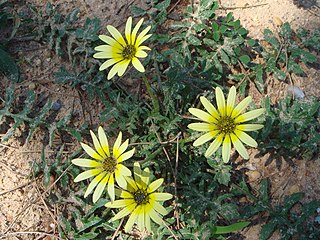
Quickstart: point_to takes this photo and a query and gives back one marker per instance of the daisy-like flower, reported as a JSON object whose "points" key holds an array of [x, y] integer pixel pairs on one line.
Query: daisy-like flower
{"points": [[141, 200], [121, 51], [105, 167], [226, 124]]}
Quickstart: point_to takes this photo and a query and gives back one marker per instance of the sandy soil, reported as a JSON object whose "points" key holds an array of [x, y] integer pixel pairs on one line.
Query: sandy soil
{"points": [[22, 201]]}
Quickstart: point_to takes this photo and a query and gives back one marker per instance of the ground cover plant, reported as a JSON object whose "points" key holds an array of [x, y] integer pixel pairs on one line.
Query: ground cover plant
{"points": [[158, 160]]}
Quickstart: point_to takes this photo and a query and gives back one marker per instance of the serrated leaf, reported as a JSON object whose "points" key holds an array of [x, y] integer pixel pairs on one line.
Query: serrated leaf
{"points": [[229, 211], [267, 230], [137, 11], [291, 200]]}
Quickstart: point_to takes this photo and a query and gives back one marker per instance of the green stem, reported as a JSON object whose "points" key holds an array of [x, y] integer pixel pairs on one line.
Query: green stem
{"points": [[154, 99]]}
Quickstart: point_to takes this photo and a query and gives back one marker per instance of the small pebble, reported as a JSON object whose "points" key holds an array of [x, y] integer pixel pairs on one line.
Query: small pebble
{"points": [[277, 21], [296, 92], [56, 106]]}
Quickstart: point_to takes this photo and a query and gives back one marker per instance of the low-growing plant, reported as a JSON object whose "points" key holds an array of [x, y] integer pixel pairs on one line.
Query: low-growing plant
{"points": [[291, 130], [292, 218], [200, 52]]}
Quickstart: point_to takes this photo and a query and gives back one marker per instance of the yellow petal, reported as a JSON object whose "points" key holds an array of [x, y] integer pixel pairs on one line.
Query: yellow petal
{"points": [[124, 212], [226, 148], [128, 30], [245, 138], [117, 143], [143, 39], [239, 146], [137, 64], [120, 180], [249, 127], [214, 146], [111, 188], [132, 183], [99, 189], [113, 71], [102, 55], [107, 39], [116, 35], [155, 217], [120, 203], [231, 100], [126, 155], [134, 215], [94, 183], [83, 162], [92, 153], [141, 218], [97, 145], [147, 222], [107, 64], [205, 138], [122, 67], [249, 115], [155, 185], [123, 170], [202, 127], [142, 36], [143, 48], [241, 106], [141, 176], [221, 102], [161, 196], [204, 116], [126, 194], [141, 54], [87, 174], [159, 208], [135, 31], [209, 107], [123, 147], [103, 48], [104, 141]]}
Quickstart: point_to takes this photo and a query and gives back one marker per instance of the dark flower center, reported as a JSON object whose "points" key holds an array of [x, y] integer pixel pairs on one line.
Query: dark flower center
{"points": [[129, 52], [226, 125], [109, 164], [141, 197]]}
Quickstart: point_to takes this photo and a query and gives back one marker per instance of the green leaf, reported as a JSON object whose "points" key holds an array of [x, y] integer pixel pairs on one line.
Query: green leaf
{"points": [[229, 211], [267, 230], [242, 31], [231, 228], [279, 74], [264, 185], [193, 40], [245, 59], [251, 42], [9, 67], [224, 57], [291, 200], [137, 11]]}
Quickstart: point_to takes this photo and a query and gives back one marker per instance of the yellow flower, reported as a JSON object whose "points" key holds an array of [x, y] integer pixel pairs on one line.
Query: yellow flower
{"points": [[120, 51], [106, 167], [141, 200], [225, 124]]}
